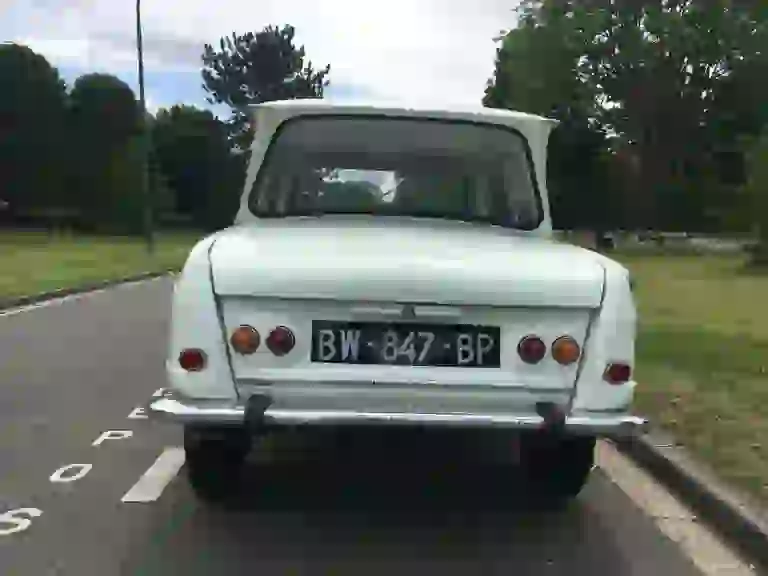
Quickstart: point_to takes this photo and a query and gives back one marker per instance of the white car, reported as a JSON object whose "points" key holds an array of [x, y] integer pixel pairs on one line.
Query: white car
{"points": [[396, 266]]}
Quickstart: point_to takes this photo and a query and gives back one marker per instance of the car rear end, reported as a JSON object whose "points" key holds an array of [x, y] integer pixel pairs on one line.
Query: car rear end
{"points": [[392, 271], [242, 365], [314, 342]]}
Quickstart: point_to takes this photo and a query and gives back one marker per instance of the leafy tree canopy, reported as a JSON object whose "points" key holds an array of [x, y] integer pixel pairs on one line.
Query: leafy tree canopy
{"points": [[193, 152], [259, 67], [105, 108], [32, 114], [675, 81], [106, 170]]}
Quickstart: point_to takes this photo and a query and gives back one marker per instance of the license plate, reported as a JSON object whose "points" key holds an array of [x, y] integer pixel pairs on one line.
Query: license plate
{"points": [[409, 344]]}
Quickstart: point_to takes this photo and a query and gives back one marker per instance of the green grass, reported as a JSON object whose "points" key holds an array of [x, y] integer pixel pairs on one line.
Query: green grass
{"points": [[31, 263], [703, 359]]}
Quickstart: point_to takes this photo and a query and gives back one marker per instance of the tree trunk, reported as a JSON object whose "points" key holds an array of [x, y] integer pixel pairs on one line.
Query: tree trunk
{"points": [[759, 252]]}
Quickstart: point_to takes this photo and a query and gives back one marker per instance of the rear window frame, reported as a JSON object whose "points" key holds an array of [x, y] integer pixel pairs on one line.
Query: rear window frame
{"points": [[372, 116]]}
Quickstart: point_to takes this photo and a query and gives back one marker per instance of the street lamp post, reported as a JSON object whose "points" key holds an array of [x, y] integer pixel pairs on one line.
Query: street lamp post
{"points": [[148, 232]]}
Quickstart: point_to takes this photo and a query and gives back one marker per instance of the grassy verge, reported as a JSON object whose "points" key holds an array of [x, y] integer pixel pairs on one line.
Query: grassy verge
{"points": [[703, 359], [31, 263]]}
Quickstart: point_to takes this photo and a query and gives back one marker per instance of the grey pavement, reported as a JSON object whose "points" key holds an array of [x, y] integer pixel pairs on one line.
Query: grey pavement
{"points": [[71, 371]]}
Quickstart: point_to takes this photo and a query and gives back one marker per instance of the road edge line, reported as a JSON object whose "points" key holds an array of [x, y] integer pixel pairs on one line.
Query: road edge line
{"points": [[150, 486], [736, 517], [11, 303]]}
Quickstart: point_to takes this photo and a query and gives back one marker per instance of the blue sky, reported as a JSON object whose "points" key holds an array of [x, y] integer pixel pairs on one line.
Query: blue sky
{"points": [[424, 50]]}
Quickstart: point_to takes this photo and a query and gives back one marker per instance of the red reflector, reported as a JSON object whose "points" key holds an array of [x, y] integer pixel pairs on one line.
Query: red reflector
{"points": [[281, 341], [617, 373], [531, 349], [192, 359]]}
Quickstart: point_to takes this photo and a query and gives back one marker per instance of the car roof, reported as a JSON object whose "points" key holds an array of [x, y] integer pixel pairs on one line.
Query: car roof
{"points": [[460, 111]]}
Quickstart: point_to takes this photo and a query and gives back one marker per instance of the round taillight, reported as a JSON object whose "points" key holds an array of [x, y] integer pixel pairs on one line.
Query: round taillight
{"points": [[192, 359], [281, 341], [617, 373], [565, 350], [531, 349], [245, 339]]}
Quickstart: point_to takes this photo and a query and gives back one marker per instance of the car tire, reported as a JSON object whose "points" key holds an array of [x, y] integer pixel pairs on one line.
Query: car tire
{"points": [[214, 460], [556, 467]]}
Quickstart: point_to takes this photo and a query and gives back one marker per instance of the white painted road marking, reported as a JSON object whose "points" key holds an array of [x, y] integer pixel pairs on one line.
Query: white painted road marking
{"points": [[112, 435], [152, 483], [19, 523], [59, 476], [137, 413], [673, 519]]}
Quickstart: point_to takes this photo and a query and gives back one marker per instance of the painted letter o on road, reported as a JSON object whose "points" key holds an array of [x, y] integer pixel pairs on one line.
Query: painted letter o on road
{"points": [[63, 474]]}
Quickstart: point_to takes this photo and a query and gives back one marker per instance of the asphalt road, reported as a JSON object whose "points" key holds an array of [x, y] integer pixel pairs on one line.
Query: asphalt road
{"points": [[72, 371]]}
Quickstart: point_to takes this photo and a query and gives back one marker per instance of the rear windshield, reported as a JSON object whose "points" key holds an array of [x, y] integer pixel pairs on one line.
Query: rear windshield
{"points": [[397, 167]]}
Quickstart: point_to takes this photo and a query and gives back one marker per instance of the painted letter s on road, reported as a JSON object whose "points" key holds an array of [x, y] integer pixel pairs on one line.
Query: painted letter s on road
{"points": [[18, 524]]}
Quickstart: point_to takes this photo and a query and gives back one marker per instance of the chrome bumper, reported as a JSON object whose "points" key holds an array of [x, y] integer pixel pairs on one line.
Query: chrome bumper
{"points": [[223, 412]]}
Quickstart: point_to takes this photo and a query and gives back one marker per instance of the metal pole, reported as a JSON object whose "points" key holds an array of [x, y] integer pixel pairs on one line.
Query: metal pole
{"points": [[145, 144]]}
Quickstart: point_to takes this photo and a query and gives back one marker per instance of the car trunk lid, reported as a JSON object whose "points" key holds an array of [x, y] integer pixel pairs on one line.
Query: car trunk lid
{"points": [[402, 260]]}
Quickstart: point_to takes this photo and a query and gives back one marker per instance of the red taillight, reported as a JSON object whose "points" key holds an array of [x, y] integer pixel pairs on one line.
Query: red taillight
{"points": [[617, 373], [192, 359], [281, 341], [531, 349], [245, 339]]}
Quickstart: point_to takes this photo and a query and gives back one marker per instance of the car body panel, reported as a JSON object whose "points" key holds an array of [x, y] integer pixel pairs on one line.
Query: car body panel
{"points": [[513, 373], [400, 259]]}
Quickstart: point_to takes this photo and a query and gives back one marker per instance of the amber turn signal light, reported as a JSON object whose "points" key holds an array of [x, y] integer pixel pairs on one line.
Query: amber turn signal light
{"points": [[192, 359], [245, 339], [617, 373], [565, 350]]}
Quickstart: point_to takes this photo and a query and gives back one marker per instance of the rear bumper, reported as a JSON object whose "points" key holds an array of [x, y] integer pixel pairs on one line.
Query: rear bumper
{"points": [[224, 412]]}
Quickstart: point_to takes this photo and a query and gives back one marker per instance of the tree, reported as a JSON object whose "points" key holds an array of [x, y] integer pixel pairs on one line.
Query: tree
{"points": [[738, 116], [105, 123], [32, 130], [258, 67], [668, 78], [757, 193], [194, 155], [537, 64], [537, 71], [661, 65]]}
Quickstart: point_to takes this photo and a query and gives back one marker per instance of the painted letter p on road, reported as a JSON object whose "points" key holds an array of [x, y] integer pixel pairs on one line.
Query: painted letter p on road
{"points": [[112, 435]]}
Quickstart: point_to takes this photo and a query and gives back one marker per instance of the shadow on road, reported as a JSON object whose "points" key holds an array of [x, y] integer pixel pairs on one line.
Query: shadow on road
{"points": [[382, 473], [401, 505]]}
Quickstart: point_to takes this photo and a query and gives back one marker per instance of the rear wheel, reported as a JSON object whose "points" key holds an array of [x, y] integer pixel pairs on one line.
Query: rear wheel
{"points": [[556, 467], [214, 460]]}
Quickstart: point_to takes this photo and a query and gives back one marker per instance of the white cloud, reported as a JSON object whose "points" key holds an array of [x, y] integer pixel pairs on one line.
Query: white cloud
{"points": [[152, 105], [419, 49]]}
